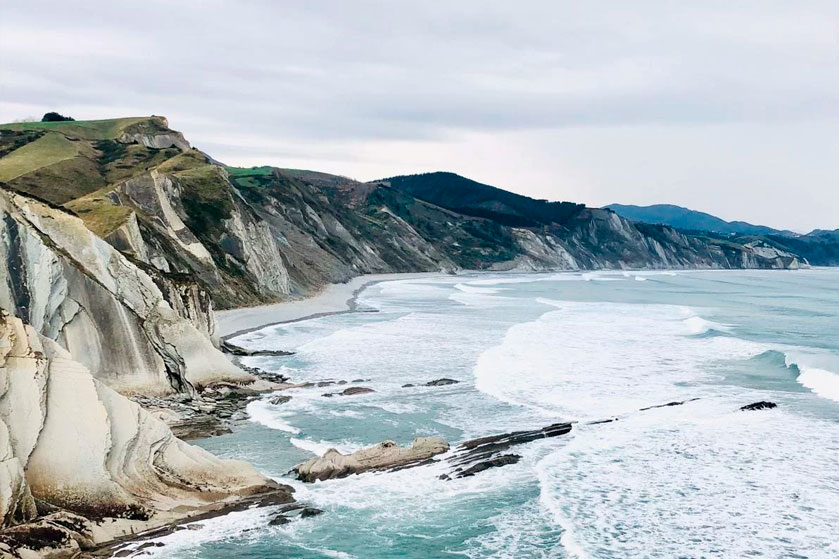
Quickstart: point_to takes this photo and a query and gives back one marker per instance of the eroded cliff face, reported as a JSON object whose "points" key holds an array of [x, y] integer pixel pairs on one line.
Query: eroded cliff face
{"points": [[601, 240], [76, 289], [72, 442], [205, 232]]}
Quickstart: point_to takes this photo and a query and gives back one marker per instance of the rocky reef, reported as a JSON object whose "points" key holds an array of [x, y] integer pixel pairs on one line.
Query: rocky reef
{"points": [[386, 455]]}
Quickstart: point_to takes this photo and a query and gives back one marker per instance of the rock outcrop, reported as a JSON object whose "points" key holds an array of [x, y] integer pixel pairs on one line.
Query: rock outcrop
{"points": [[77, 290], [384, 456], [762, 405], [70, 441]]}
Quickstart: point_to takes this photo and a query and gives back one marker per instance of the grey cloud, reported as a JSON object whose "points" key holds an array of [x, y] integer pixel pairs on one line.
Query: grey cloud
{"points": [[365, 71]]}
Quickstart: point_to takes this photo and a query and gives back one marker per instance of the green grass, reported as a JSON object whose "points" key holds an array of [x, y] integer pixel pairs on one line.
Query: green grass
{"points": [[88, 129], [183, 162], [46, 150], [250, 171], [99, 213]]}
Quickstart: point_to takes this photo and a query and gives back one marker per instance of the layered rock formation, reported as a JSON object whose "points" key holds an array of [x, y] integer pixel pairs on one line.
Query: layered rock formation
{"points": [[117, 243], [383, 456], [76, 289], [69, 440]]}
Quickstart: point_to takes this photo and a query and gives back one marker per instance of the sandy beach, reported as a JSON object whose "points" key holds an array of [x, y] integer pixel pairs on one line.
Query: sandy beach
{"points": [[335, 298]]}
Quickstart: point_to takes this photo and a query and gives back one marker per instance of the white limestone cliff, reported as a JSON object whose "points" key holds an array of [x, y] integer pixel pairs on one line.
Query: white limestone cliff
{"points": [[68, 440], [76, 289]]}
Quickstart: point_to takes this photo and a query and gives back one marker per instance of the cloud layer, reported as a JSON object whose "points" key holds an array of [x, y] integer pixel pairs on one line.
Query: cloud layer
{"points": [[728, 109]]}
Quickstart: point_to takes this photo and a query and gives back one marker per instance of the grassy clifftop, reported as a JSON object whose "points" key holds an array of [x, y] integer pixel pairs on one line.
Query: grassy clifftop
{"points": [[109, 129]]}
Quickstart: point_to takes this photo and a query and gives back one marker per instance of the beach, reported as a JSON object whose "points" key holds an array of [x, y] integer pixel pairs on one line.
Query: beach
{"points": [[333, 299]]}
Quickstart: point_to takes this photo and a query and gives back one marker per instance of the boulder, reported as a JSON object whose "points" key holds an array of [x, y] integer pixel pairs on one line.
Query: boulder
{"points": [[353, 390], [383, 456], [441, 382]]}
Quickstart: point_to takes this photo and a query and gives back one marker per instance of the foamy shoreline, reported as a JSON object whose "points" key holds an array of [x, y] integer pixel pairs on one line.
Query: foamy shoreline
{"points": [[334, 299]]}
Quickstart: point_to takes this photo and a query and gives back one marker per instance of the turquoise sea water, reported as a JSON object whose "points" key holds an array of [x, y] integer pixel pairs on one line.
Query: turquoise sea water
{"points": [[698, 480]]}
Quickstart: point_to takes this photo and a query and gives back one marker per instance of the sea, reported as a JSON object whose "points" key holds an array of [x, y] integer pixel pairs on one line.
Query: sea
{"points": [[703, 479]]}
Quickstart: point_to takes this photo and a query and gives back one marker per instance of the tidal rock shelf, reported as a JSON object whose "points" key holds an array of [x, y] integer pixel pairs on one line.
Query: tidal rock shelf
{"points": [[474, 456], [386, 455]]}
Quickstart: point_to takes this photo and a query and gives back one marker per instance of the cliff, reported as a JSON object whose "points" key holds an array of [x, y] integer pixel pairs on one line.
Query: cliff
{"points": [[237, 237], [76, 289], [83, 464], [117, 240]]}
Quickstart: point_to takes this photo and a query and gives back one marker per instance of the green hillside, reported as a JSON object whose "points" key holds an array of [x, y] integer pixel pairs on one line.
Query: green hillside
{"points": [[47, 150], [109, 129]]}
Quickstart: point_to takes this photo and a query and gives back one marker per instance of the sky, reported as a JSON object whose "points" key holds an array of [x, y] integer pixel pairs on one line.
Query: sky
{"points": [[729, 107]]}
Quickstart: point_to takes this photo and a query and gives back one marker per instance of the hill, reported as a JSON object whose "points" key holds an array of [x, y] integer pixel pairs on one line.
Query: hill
{"points": [[472, 198], [245, 236], [692, 220]]}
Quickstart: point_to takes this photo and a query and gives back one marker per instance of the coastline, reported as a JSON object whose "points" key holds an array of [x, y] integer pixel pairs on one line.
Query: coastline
{"points": [[335, 298]]}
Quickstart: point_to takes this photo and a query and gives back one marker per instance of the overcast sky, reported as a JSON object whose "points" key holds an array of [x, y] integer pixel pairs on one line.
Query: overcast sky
{"points": [[727, 107]]}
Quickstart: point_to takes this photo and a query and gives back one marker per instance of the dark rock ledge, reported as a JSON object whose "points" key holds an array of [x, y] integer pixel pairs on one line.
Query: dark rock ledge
{"points": [[239, 351], [763, 405]]}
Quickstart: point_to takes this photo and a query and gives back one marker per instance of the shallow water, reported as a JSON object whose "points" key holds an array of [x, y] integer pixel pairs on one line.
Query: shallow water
{"points": [[698, 480]]}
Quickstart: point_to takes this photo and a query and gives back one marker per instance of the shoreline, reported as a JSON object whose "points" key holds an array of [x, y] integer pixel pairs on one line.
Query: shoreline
{"points": [[335, 298]]}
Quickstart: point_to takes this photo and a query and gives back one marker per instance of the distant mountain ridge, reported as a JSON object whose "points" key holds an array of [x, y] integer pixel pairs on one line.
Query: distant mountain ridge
{"points": [[691, 220], [475, 199]]}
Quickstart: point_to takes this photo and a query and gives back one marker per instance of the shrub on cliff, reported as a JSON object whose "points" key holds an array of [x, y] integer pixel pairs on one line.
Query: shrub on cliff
{"points": [[55, 117]]}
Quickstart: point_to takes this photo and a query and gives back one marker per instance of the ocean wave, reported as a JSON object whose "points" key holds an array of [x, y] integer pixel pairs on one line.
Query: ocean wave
{"points": [[469, 288], [592, 360], [696, 326], [816, 371], [265, 413], [318, 448]]}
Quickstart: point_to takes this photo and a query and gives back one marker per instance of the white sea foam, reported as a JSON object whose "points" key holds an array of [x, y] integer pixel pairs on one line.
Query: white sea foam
{"points": [[593, 360], [696, 325], [817, 371], [693, 477], [318, 448], [265, 413], [470, 288], [232, 525]]}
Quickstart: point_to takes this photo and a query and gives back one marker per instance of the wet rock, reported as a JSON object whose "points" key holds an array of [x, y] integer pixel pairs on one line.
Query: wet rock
{"points": [[383, 456], [309, 512], [233, 349], [497, 462], [279, 520], [353, 390], [668, 404], [441, 382], [282, 399], [192, 527], [762, 405], [476, 455], [408, 385]]}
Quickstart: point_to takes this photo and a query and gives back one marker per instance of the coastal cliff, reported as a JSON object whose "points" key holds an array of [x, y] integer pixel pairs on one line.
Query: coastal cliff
{"points": [[240, 237], [76, 289], [118, 240], [82, 464]]}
